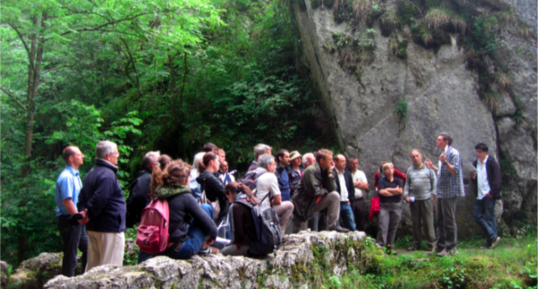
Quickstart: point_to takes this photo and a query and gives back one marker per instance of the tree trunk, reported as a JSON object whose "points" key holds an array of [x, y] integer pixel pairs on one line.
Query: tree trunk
{"points": [[34, 75]]}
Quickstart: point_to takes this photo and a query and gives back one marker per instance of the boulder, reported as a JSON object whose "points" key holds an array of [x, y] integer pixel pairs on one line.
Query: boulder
{"points": [[302, 255], [383, 104]]}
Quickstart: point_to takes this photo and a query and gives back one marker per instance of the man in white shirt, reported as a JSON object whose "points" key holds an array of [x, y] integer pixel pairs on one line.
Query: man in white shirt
{"points": [[488, 189], [224, 176], [344, 186], [360, 185], [267, 183]]}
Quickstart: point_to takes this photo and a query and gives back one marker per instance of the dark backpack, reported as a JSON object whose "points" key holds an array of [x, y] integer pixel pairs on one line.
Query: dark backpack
{"points": [[250, 179], [267, 223]]}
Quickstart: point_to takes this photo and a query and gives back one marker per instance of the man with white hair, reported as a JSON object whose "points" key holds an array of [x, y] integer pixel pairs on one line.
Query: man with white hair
{"points": [[102, 206], [139, 196], [308, 160], [259, 150]]}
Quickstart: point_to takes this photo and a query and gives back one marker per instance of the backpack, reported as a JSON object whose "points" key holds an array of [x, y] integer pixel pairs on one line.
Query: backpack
{"points": [[152, 233], [267, 223], [250, 179]]}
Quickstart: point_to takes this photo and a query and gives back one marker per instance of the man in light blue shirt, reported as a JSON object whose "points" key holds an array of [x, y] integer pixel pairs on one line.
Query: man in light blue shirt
{"points": [[67, 190]]}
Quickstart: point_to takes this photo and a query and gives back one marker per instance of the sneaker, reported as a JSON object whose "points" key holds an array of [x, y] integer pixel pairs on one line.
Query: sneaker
{"points": [[412, 248], [442, 253], [435, 250], [495, 242], [339, 229]]}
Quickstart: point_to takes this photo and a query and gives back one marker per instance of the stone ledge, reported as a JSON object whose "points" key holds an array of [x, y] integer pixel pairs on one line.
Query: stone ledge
{"points": [[288, 269]]}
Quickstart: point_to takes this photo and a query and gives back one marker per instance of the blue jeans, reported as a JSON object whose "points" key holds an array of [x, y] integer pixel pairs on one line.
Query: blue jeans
{"points": [[346, 216], [484, 216], [192, 245]]}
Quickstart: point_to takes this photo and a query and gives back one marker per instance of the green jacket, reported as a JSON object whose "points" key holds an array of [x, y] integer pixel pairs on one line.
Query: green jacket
{"points": [[313, 184]]}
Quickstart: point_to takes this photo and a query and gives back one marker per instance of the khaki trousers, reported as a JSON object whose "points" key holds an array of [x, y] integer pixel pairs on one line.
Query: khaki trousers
{"points": [[284, 211], [330, 201], [105, 248]]}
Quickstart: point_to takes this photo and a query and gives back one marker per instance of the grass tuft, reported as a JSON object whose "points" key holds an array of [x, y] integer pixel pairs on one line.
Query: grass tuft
{"points": [[388, 22], [504, 80], [437, 18]]}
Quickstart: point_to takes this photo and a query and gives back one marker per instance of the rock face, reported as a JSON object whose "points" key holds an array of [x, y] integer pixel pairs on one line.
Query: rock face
{"points": [[440, 93], [299, 257]]}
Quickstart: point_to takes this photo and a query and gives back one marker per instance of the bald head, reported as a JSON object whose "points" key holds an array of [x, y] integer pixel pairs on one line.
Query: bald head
{"points": [[340, 162]]}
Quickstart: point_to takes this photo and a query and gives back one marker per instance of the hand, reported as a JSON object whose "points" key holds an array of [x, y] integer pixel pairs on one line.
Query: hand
{"points": [[407, 199], [331, 166], [432, 198], [85, 218], [442, 158], [473, 176], [210, 242], [488, 195], [428, 164]]}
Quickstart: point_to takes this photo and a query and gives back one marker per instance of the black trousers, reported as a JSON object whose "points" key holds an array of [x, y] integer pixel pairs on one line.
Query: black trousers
{"points": [[73, 237], [359, 213]]}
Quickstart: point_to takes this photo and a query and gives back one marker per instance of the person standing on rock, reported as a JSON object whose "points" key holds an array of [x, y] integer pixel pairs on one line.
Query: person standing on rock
{"points": [[66, 197], [102, 206], [360, 185], [317, 191], [267, 183], [344, 187], [418, 192], [139, 196], [283, 172], [488, 189], [296, 170], [259, 150], [449, 187]]}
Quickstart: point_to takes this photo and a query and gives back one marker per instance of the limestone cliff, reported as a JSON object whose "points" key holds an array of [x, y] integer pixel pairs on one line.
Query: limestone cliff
{"points": [[394, 74]]}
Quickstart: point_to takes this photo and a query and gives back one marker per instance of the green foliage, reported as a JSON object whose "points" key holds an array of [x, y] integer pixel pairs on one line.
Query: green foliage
{"points": [[159, 75], [401, 110]]}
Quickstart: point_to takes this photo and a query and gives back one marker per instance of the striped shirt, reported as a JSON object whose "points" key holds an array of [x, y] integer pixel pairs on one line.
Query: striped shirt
{"points": [[420, 183]]}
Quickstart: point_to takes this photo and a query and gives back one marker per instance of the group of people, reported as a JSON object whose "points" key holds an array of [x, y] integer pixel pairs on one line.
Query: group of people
{"points": [[320, 191]]}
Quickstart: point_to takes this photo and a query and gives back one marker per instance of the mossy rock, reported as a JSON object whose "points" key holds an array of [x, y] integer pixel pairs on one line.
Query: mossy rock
{"points": [[24, 279]]}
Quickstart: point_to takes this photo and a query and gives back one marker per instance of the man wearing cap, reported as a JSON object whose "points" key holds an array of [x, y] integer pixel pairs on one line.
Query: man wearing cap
{"points": [[296, 170]]}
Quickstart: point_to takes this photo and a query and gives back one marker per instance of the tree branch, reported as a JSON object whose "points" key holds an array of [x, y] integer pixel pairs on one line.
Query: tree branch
{"points": [[25, 45], [104, 25], [13, 97], [134, 65]]}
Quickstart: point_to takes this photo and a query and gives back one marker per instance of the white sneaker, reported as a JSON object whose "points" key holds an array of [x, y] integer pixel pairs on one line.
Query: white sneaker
{"points": [[495, 242]]}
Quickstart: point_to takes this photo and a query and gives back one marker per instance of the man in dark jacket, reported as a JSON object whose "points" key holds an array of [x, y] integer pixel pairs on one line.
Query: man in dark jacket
{"points": [[344, 187], [317, 191], [488, 189], [102, 205], [139, 197], [283, 172]]}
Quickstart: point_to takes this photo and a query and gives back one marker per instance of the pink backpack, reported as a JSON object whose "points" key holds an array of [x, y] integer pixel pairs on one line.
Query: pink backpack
{"points": [[152, 234]]}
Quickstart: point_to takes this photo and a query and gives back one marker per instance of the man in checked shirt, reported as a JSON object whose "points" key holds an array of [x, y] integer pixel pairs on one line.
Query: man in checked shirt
{"points": [[449, 187]]}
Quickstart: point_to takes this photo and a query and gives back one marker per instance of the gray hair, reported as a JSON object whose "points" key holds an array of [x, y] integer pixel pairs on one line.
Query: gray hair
{"points": [[260, 149], [416, 150], [150, 158], [104, 148], [306, 156], [264, 160]]}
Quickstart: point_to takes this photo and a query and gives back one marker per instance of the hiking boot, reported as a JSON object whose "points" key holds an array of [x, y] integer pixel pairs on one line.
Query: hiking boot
{"points": [[495, 242], [339, 229], [412, 248]]}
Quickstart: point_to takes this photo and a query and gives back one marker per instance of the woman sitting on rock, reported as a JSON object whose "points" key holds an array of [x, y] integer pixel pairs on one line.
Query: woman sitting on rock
{"points": [[241, 221], [390, 191], [191, 228], [213, 187]]}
